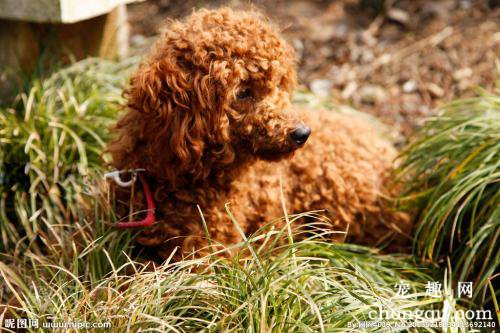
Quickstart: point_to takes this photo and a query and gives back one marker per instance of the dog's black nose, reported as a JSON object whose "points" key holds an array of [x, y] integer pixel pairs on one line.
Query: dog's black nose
{"points": [[300, 134]]}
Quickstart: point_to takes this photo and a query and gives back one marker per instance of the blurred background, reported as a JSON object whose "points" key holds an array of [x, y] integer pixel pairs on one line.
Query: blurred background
{"points": [[396, 59]]}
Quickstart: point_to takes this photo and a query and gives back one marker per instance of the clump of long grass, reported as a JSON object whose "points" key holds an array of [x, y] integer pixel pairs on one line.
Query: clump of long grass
{"points": [[452, 175], [307, 286], [50, 142]]}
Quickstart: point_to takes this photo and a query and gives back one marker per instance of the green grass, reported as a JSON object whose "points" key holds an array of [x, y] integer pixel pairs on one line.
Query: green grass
{"points": [[61, 259], [50, 144], [452, 175], [308, 286]]}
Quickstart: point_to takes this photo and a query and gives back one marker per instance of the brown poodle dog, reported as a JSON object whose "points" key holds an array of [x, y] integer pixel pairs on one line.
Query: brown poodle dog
{"points": [[210, 120]]}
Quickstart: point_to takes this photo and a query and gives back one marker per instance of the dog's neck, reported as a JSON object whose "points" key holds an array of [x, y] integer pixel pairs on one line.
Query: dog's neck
{"points": [[209, 180], [215, 187]]}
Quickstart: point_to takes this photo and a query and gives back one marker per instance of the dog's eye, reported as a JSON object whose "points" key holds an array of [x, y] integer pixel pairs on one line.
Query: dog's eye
{"points": [[244, 93]]}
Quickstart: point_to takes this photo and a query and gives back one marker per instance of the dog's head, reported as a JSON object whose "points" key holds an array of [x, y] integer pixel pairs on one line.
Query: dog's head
{"points": [[215, 92]]}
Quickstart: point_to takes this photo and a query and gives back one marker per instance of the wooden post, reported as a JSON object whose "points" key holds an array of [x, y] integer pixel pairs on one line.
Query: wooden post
{"points": [[57, 31]]}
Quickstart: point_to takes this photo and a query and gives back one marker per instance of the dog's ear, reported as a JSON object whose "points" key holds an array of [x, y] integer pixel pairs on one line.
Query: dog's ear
{"points": [[178, 108], [155, 83]]}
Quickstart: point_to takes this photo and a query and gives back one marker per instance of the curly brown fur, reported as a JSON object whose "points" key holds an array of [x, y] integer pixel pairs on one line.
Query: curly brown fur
{"points": [[209, 117]]}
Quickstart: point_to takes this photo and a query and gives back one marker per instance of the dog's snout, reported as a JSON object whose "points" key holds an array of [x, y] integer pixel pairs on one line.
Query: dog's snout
{"points": [[300, 134]]}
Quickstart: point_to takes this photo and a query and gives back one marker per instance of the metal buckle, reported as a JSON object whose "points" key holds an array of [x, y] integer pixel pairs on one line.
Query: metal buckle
{"points": [[115, 176]]}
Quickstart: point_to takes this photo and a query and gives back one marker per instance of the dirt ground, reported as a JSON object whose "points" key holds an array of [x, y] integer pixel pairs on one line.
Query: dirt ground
{"points": [[397, 60]]}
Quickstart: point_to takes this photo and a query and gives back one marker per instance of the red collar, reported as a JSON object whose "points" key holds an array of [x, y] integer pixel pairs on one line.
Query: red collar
{"points": [[150, 217]]}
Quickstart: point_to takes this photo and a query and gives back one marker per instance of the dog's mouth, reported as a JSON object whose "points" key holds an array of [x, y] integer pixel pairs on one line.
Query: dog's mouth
{"points": [[270, 153], [276, 148], [273, 155]]}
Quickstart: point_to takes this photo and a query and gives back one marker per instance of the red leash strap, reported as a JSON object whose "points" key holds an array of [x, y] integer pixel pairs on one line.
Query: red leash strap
{"points": [[150, 217]]}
